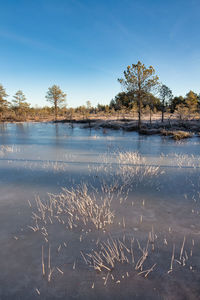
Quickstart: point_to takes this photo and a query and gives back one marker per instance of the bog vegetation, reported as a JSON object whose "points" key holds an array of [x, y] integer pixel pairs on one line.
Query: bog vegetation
{"points": [[142, 96]]}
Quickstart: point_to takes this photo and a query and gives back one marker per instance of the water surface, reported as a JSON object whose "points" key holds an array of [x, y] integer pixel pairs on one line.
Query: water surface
{"points": [[41, 158]]}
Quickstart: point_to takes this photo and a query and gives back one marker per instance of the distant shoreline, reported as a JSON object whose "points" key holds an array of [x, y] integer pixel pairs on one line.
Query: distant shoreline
{"points": [[177, 129]]}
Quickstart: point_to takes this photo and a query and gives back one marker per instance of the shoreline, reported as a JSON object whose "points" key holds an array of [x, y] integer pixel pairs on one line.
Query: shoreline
{"points": [[174, 128]]}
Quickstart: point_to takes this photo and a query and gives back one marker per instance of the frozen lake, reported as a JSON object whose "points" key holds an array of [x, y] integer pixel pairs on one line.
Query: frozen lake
{"points": [[141, 198]]}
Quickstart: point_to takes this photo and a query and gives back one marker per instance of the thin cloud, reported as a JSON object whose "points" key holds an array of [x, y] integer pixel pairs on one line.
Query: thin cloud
{"points": [[32, 43]]}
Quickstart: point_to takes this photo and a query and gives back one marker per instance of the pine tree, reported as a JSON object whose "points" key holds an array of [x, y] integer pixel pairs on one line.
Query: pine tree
{"points": [[55, 96], [191, 101], [19, 103], [139, 80], [3, 100], [165, 95]]}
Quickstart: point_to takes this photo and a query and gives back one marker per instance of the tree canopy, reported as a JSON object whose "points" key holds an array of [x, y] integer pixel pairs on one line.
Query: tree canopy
{"points": [[19, 100], [191, 101], [56, 96], [3, 99], [139, 80], [123, 99], [166, 96]]}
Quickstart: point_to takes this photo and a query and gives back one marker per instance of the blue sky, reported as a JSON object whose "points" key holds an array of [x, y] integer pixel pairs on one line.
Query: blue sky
{"points": [[84, 45]]}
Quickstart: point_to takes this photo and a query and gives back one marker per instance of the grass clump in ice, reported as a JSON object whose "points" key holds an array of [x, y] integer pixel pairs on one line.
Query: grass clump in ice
{"points": [[74, 208]]}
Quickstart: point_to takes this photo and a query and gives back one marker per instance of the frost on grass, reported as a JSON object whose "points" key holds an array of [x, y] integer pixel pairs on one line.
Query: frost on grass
{"points": [[128, 257], [74, 208], [133, 168], [90, 207], [8, 149], [186, 160], [124, 170]]}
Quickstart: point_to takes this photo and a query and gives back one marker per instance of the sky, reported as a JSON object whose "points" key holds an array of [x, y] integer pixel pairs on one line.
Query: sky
{"points": [[85, 45]]}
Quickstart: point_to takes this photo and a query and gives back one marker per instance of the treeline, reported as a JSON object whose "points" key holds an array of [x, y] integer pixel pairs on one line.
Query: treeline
{"points": [[143, 94], [182, 106], [18, 109]]}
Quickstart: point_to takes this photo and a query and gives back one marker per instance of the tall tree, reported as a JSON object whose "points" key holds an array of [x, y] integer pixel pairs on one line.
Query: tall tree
{"points": [[165, 95], [122, 100], [182, 111], [151, 103], [175, 102], [88, 105], [56, 96], [3, 100], [191, 101], [19, 102], [139, 80]]}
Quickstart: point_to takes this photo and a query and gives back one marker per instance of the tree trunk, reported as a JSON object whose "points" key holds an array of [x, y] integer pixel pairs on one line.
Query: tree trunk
{"points": [[163, 107], [150, 115], [139, 112], [140, 101], [139, 117], [56, 111]]}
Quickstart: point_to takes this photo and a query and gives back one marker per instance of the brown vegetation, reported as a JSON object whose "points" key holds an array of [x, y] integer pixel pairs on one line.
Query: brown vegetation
{"points": [[177, 134]]}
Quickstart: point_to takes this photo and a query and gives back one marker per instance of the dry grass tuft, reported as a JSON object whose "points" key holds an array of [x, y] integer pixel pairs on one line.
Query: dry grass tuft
{"points": [[115, 251], [73, 208], [177, 134]]}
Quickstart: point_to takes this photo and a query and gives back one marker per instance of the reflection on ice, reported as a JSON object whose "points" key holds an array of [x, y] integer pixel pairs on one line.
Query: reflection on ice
{"points": [[113, 211]]}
